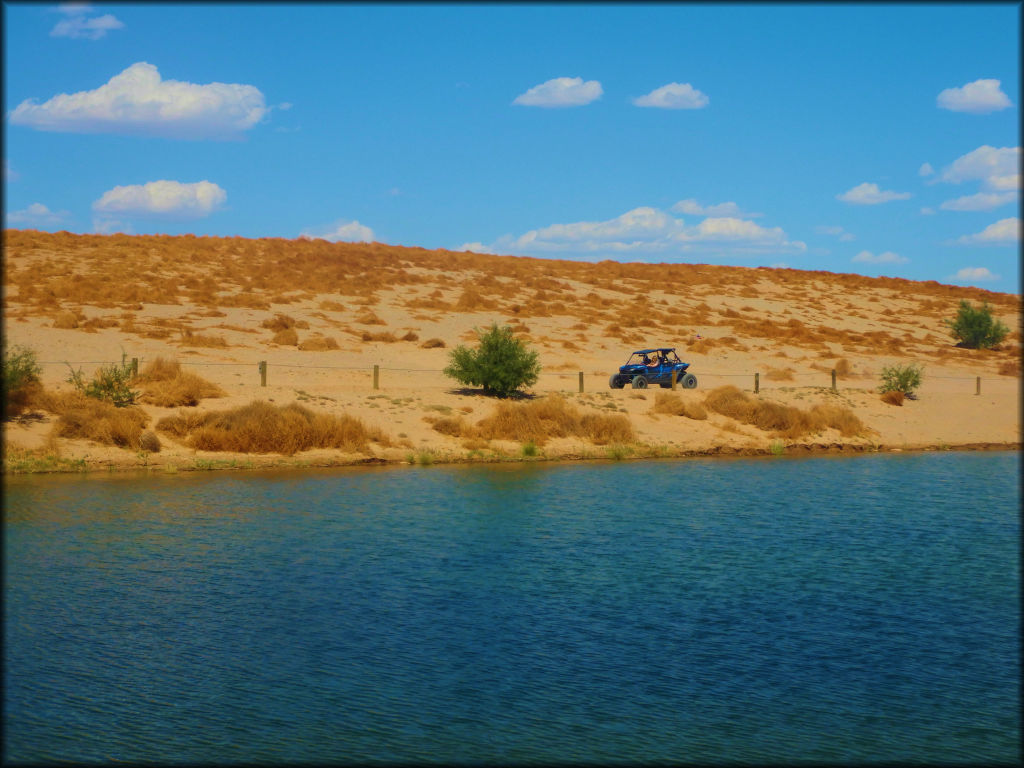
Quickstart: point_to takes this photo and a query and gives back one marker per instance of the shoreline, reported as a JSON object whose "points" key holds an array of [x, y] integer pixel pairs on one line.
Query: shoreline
{"points": [[247, 463]]}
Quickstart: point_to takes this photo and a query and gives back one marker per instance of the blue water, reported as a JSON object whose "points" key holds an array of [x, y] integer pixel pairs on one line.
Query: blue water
{"points": [[770, 610]]}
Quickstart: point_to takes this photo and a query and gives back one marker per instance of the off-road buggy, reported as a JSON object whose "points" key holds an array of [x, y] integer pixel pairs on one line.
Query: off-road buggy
{"points": [[653, 366]]}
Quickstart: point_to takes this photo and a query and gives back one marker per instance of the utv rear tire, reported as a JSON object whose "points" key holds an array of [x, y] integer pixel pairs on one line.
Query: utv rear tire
{"points": [[615, 382], [639, 382], [689, 381]]}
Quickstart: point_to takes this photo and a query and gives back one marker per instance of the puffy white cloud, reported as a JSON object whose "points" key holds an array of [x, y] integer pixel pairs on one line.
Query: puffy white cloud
{"points": [[925, 170], [693, 208], [103, 225], [79, 24], [163, 198], [870, 194], [561, 92], [841, 233], [649, 230], [343, 231], [997, 169], [978, 97], [982, 201], [36, 214], [674, 96], [974, 274], [728, 228], [886, 257], [138, 102], [1003, 232]]}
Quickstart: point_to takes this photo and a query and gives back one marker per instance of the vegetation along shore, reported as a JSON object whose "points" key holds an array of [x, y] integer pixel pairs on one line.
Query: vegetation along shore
{"points": [[178, 353]]}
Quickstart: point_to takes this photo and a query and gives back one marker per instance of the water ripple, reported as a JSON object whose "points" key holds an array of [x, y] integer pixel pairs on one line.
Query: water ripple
{"points": [[853, 609]]}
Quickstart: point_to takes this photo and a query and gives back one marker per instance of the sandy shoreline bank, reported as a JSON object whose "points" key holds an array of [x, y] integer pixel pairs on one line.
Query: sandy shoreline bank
{"points": [[325, 316]]}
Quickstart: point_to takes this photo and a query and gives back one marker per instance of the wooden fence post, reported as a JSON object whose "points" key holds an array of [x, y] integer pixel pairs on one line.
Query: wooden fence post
{"points": [[757, 382], [977, 386], [675, 375], [581, 381], [135, 366], [263, 373], [376, 377], [833, 379]]}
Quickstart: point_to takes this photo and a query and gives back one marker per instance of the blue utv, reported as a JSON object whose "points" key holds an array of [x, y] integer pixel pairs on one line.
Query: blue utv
{"points": [[653, 366]]}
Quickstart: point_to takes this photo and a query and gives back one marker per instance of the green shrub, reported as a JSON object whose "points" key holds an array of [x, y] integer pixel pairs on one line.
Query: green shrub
{"points": [[21, 371], [975, 328], [111, 383], [901, 378], [501, 364]]}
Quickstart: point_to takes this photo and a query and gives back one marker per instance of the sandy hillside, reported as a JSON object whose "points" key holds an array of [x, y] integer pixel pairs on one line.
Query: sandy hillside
{"points": [[322, 315]]}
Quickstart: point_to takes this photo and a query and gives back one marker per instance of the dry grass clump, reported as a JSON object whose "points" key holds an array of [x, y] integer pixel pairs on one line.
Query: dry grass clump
{"points": [[1010, 368], [411, 336], [673, 404], [261, 427], [97, 420], [286, 337], [783, 420], [779, 374], [149, 441], [65, 320], [318, 344], [191, 339], [386, 337], [433, 344], [893, 397], [553, 416], [166, 385], [370, 318], [332, 306], [281, 322]]}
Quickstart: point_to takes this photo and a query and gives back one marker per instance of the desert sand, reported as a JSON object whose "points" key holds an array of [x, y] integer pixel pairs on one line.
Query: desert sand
{"points": [[217, 305]]}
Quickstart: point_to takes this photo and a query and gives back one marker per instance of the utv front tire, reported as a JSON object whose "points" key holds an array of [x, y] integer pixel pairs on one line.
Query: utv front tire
{"points": [[639, 382], [689, 381], [615, 382]]}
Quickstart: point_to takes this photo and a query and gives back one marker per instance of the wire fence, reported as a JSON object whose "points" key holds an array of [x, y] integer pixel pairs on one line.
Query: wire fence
{"points": [[597, 381]]}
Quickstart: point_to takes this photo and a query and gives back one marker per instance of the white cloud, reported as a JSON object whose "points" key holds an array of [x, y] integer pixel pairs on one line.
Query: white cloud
{"points": [[925, 170], [1003, 232], [974, 274], [343, 231], [841, 233], [870, 194], [106, 226], [983, 201], [927, 211], [476, 248], [36, 214], [693, 208], [886, 257], [649, 230], [9, 173], [163, 198], [78, 24], [978, 97], [997, 169], [561, 92], [138, 102], [674, 96]]}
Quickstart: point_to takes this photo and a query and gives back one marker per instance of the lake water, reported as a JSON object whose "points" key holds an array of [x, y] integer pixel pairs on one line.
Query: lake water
{"points": [[771, 610]]}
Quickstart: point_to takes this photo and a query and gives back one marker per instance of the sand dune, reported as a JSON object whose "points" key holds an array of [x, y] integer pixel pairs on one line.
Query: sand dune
{"points": [[322, 315]]}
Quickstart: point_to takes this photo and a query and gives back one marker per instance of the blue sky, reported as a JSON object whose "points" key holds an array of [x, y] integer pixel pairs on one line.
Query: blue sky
{"points": [[867, 138]]}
